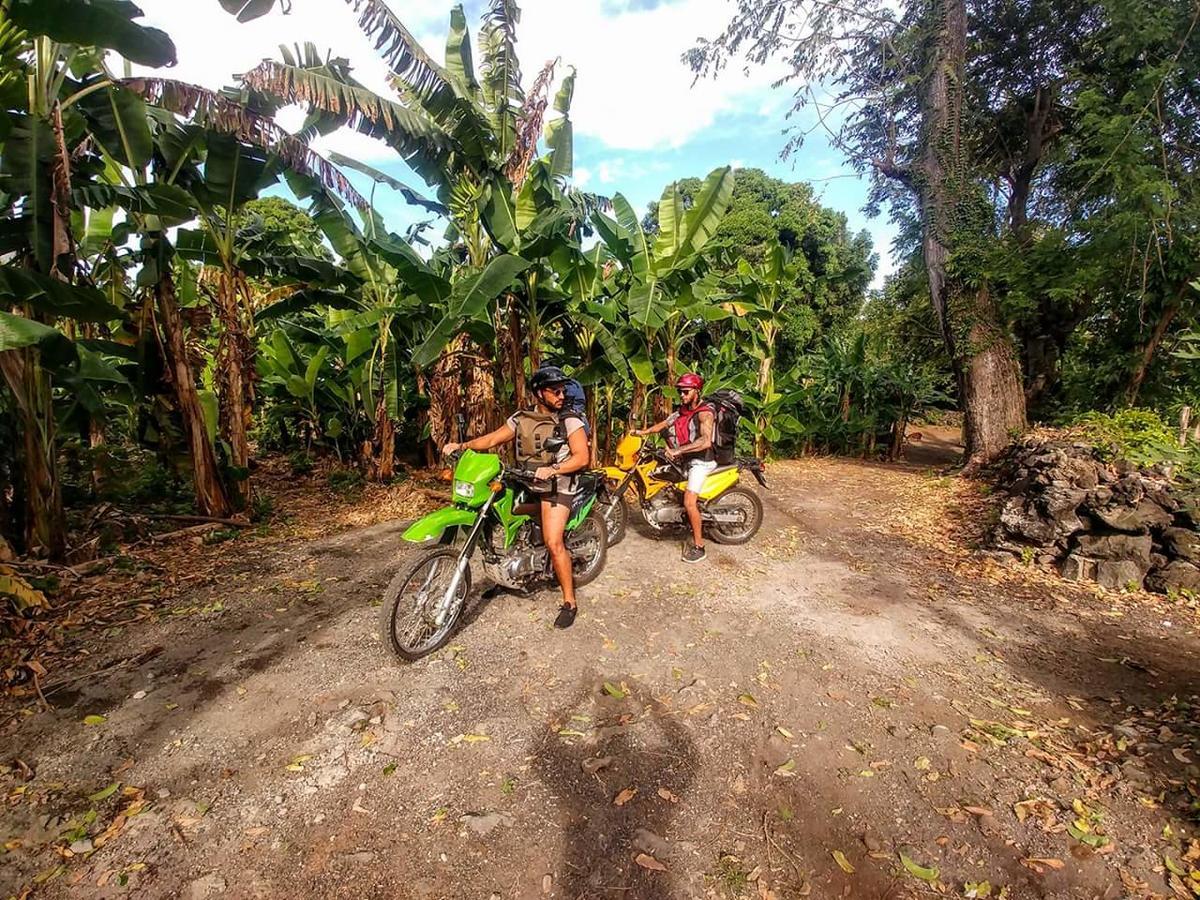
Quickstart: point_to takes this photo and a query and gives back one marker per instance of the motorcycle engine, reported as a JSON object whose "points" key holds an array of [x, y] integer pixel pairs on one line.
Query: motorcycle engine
{"points": [[517, 565], [664, 509]]}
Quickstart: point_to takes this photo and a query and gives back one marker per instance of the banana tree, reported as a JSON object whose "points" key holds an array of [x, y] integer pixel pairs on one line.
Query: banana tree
{"points": [[755, 295], [44, 153], [397, 294], [658, 274], [589, 329], [470, 135]]}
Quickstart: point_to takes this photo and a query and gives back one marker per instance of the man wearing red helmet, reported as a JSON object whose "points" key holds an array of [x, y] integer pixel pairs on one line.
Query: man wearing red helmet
{"points": [[691, 444]]}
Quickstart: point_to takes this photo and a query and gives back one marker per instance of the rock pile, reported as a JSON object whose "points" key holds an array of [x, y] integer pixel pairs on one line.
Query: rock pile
{"points": [[1116, 524]]}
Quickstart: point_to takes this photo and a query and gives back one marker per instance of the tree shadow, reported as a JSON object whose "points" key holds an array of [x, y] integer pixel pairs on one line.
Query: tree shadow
{"points": [[605, 829]]}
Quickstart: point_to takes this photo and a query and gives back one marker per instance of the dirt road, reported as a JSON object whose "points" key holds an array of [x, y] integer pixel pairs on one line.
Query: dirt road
{"points": [[787, 719]]}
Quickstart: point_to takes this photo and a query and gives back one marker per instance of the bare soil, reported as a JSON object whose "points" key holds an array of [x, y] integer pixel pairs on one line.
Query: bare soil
{"points": [[787, 719]]}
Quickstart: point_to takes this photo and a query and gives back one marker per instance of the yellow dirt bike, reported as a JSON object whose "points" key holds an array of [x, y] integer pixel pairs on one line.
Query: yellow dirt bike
{"points": [[731, 513]]}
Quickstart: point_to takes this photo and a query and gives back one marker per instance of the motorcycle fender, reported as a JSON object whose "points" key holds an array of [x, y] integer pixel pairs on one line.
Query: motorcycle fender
{"points": [[612, 473], [431, 527], [714, 485]]}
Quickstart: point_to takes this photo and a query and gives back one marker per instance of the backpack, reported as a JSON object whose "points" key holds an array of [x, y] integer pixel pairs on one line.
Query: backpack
{"points": [[575, 404], [728, 407], [533, 430]]}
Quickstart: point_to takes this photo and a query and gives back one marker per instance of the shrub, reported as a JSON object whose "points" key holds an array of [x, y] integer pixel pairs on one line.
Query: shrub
{"points": [[301, 462], [1141, 436]]}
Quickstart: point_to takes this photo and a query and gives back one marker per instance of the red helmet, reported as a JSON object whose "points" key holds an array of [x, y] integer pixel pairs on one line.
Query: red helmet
{"points": [[690, 380]]}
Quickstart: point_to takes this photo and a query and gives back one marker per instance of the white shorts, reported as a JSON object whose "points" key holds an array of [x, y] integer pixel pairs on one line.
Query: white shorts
{"points": [[697, 471]]}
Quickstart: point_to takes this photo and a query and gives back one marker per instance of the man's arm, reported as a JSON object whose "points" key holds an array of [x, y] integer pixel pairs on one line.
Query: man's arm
{"points": [[501, 435], [703, 439], [653, 429]]}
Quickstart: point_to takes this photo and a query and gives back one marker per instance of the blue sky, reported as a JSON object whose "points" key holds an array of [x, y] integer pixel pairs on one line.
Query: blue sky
{"points": [[639, 120]]}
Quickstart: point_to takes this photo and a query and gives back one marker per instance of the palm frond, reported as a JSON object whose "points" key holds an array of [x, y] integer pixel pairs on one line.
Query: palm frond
{"points": [[329, 89], [218, 113], [501, 85], [417, 74]]}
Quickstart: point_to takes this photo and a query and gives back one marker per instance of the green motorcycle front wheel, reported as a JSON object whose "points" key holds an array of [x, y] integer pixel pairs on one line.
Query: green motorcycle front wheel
{"points": [[418, 613]]}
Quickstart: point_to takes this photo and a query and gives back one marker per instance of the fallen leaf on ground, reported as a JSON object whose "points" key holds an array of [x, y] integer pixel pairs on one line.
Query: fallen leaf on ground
{"points": [[981, 811], [840, 858], [106, 793], [787, 770], [925, 874], [649, 862], [1040, 863], [922, 763], [748, 700], [94, 720], [667, 795], [613, 691], [625, 796]]}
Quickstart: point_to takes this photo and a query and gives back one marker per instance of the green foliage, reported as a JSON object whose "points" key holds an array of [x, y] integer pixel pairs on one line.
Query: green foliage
{"points": [[301, 462], [345, 481], [1140, 436]]}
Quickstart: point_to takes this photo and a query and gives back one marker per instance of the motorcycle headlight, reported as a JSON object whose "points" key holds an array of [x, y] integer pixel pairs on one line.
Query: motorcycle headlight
{"points": [[464, 489]]}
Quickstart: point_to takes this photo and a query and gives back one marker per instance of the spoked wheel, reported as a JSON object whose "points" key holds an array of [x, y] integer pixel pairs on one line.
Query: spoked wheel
{"points": [[744, 509], [418, 614], [616, 518], [588, 546]]}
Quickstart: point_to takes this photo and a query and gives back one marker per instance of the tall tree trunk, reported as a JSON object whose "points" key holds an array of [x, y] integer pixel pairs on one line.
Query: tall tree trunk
{"points": [[96, 443], [591, 408], [383, 463], [764, 391], [481, 406], [637, 406], [45, 522], [445, 400], [234, 356], [608, 422], [1150, 348], [516, 357], [980, 349], [899, 427], [211, 499], [662, 403]]}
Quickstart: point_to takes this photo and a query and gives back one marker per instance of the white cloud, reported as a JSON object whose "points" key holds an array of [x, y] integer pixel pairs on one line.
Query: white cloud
{"points": [[633, 91], [610, 171], [581, 176]]}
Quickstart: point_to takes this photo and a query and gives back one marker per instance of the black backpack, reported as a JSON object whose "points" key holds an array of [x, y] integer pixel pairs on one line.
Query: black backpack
{"points": [[728, 407]]}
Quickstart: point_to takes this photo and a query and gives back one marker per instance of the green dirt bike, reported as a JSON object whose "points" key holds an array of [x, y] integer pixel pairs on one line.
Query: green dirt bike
{"points": [[425, 599]]}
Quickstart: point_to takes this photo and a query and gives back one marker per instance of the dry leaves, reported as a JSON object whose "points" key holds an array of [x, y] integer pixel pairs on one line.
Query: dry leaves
{"points": [[1040, 864], [649, 862], [625, 796]]}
